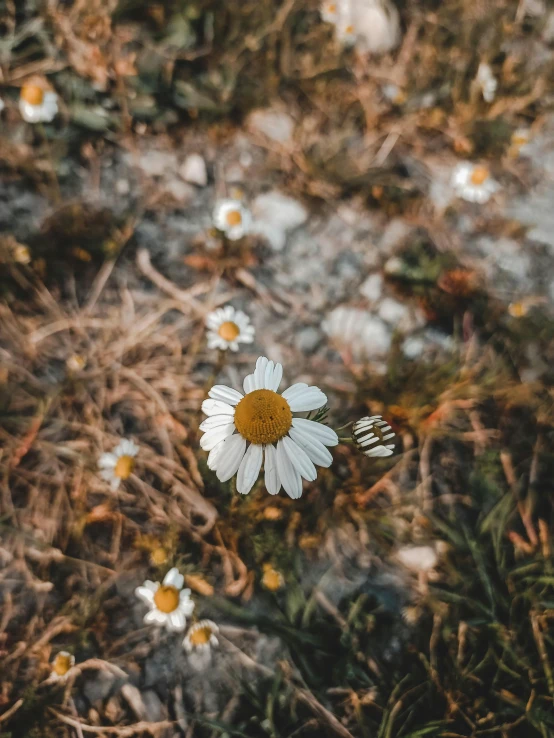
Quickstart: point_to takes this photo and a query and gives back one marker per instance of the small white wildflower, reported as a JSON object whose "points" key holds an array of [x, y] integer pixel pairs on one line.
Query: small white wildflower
{"points": [[170, 605], [61, 664], [520, 138], [473, 182], [329, 11], [264, 418], [75, 363], [370, 435], [232, 218], [201, 636], [36, 104], [376, 25], [418, 558], [119, 464], [487, 82], [21, 254], [227, 328]]}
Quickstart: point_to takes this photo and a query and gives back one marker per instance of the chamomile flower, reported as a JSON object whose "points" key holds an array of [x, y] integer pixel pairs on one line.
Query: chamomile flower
{"points": [[329, 11], [288, 446], [272, 579], [486, 82], [201, 637], [473, 182], [345, 32], [418, 558], [520, 138], [37, 104], [170, 605], [227, 328], [370, 435], [118, 465], [61, 664], [232, 218]]}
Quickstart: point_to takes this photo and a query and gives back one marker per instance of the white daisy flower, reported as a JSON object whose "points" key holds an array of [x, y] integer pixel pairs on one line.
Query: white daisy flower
{"points": [[521, 137], [376, 25], [264, 418], [329, 11], [119, 464], [37, 105], [169, 603], [202, 637], [227, 328], [418, 558], [232, 218], [345, 32], [473, 182], [61, 664], [487, 82], [370, 433]]}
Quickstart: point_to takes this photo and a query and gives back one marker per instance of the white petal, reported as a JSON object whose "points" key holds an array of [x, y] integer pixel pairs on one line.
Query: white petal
{"points": [[259, 372], [214, 455], [249, 384], [225, 394], [214, 421], [276, 379], [214, 436], [300, 459], [114, 486], [230, 457], [272, 481], [107, 461], [155, 617], [290, 478], [216, 407], [268, 375], [176, 621], [319, 431], [174, 579], [249, 468], [295, 389], [146, 594], [314, 448], [310, 398]]}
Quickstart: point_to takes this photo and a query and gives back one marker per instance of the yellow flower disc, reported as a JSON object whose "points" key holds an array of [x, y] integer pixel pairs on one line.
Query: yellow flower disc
{"points": [[124, 467], [62, 664], [263, 416], [200, 636], [479, 175], [166, 598], [33, 94], [233, 218], [228, 330]]}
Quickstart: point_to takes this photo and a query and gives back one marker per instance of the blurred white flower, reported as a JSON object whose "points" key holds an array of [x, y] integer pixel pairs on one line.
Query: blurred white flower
{"points": [[36, 104], [473, 182], [329, 11], [201, 636], [376, 25], [170, 605], [263, 417], [487, 82], [227, 328], [370, 435], [232, 218], [521, 137], [418, 558], [119, 464], [75, 363], [61, 664], [21, 254]]}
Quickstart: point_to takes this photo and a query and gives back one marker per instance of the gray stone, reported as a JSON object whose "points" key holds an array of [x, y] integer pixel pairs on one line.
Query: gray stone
{"points": [[395, 233], [393, 312], [276, 215], [307, 339], [275, 124], [157, 163], [193, 170], [372, 288], [99, 684], [153, 706], [180, 191]]}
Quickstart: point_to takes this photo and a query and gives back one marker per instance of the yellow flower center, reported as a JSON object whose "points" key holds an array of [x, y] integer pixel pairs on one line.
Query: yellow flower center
{"points": [[124, 467], [517, 309], [201, 636], [33, 94], [166, 598], [263, 416], [158, 556], [519, 139], [234, 218], [349, 29], [479, 175], [272, 579], [62, 664], [332, 8], [228, 330]]}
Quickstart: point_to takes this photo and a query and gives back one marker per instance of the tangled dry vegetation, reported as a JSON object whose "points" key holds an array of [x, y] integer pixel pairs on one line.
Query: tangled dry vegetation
{"points": [[351, 644]]}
